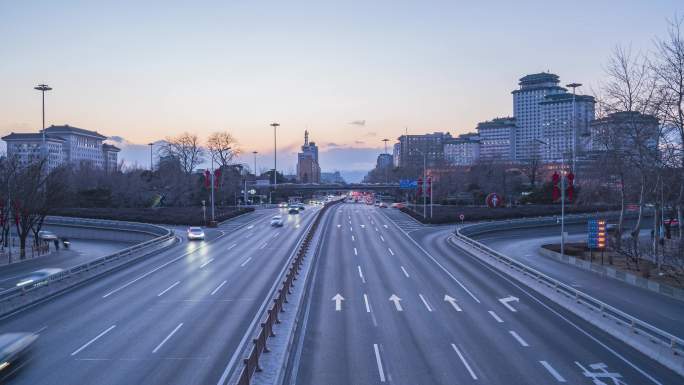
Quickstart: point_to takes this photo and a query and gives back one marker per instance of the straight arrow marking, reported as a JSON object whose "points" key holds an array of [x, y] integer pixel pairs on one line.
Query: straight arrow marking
{"points": [[338, 301]]}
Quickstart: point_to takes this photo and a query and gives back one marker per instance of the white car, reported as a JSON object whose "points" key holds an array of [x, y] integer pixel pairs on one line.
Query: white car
{"points": [[195, 233], [47, 235], [38, 275], [277, 221]]}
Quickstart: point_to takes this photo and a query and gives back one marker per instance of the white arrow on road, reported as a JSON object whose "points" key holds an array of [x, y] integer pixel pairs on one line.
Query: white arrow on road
{"points": [[338, 301], [396, 301], [452, 301], [510, 298]]}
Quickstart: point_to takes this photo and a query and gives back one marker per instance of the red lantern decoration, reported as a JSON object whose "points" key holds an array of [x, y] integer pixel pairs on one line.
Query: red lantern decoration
{"points": [[207, 179], [555, 194], [217, 176]]}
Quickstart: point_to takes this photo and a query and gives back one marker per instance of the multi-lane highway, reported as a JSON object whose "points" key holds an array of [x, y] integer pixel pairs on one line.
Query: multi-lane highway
{"points": [[382, 308], [179, 317]]}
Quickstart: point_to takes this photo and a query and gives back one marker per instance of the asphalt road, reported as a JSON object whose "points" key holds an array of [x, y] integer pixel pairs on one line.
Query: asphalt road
{"points": [[175, 318], [523, 244], [382, 309]]}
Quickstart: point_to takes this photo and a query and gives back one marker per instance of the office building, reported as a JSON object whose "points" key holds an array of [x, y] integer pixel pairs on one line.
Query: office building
{"points": [[414, 148], [308, 170], [462, 151], [497, 138], [565, 125]]}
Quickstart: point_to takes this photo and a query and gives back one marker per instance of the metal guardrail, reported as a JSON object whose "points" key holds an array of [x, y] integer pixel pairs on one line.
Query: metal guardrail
{"points": [[167, 234], [634, 324], [251, 363], [107, 224]]}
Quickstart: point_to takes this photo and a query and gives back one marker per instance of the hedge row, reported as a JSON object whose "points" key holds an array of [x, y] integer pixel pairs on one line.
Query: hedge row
{"points": [[190, 216]]}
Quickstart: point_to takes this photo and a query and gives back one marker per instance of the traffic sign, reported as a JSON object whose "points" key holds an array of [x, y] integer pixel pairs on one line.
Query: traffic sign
{"points": [[596, 233], [408, 184], [494, 200]]}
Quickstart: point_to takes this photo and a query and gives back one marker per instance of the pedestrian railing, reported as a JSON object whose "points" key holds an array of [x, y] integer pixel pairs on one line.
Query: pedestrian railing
{"points": [[259, 346], [635, 325]]}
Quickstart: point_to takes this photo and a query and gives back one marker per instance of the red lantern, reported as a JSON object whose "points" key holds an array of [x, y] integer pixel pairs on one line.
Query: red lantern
{"points": [[217, 176], [207, 179], [555, 194]]}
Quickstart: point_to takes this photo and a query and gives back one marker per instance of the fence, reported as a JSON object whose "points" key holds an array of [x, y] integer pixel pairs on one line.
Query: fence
{"points": [[634, 324], [251, 363]]}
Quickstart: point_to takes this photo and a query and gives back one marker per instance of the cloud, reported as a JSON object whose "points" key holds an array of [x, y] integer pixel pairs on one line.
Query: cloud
{"points": [[371, 134], [359, 142], [331, 144], [358, 122]]}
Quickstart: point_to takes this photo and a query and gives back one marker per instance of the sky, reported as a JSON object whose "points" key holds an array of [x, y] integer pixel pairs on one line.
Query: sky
{"points": [[351, 72]]}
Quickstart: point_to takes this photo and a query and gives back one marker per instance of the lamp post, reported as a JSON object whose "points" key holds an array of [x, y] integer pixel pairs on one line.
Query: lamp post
{"points": [[275, 163], [151, 162], [386, 166], [562, 247], [42, 88], [255, 169], [574, 87]]}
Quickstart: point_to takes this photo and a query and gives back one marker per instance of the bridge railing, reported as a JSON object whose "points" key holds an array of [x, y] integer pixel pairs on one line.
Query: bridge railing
{"points": [[633, 324]]}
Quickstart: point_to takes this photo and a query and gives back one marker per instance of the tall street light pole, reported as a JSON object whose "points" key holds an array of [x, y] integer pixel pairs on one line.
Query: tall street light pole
{"points": [[151, 161], [574, 87], [255, 169], [42, 88], [275, 162], [562, 248]]}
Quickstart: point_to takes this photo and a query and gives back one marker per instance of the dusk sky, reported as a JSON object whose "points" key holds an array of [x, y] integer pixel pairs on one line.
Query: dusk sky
{"points": [[145, 70]]}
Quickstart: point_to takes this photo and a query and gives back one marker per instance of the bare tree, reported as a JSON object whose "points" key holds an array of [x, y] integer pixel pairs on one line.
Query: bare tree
{"points": [[222, 148], [186, 149], [668, 66]]}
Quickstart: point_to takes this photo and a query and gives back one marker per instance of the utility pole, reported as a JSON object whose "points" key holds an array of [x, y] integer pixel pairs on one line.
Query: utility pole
{"points": [[574, 87], [42, 88], [255, 168], [275, 162]]}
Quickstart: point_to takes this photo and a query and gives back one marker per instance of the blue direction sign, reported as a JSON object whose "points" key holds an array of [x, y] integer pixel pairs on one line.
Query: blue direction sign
{"points": [[408, 184], [596, 233]]}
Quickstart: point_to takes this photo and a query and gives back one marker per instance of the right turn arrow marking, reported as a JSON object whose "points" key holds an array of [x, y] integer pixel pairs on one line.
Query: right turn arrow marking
{"points": [[452, 301]]}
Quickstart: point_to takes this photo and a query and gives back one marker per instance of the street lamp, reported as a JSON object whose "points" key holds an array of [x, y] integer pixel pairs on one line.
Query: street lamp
{"points": [[386, 166], [151, 162], [275, 151], [562, 248], [42, 88], [574, 87], [255, 169], [424, 181]]}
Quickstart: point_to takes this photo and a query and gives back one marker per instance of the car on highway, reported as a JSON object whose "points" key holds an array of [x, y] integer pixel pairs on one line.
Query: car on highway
{"points": [[382, 205], [38, 276], [13, 348], [277, 221], [47, 235], [673, 222], [301, 207], [397, 205], [195, 233], [282, 205], [293, 210]]}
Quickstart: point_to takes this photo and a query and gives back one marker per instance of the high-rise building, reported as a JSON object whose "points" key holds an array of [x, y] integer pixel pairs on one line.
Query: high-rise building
{"points": [[565, 121], [628, 132], [384, 161], [497, 139], [527, 110], [396, 154], [413, 148], [65, 144], [462, 151], [308, 170]]}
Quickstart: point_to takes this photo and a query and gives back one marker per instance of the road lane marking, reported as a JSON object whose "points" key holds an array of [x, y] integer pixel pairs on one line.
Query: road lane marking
{"points": [[505, 302], [93, 340], [465, 363], [552, 371], [167, 338], [231, 246], [495, 316], [353, 239], [245, 262], [218, 288], [452, 301], [355, 252], [376, 229], [405, 272], [338, 298], [248, 235], [361, 274], [250, 227], [382, 239], [40, 330], [425, 302], [263, 245], [365, 299], [168, 288], [390, 250], [207, 262], [518, 338], [381, 372], [276, 235], [437, 263], [386, 226], [350, 229]]}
